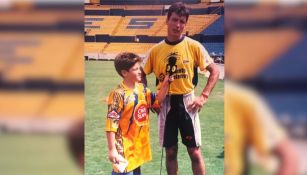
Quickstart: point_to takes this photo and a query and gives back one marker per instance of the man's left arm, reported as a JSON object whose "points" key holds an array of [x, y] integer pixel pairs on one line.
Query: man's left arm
{"points": [[199, 101]]}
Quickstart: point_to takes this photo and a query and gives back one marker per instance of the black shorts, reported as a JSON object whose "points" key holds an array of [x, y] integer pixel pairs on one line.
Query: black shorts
{"points": [[177, 118]]}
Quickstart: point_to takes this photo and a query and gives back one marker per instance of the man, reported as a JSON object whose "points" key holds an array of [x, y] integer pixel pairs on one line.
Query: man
{"points": [[178, 56]]}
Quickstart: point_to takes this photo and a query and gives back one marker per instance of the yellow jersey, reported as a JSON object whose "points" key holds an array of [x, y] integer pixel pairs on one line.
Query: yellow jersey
{"points": [[178, 59], [128, 117]]}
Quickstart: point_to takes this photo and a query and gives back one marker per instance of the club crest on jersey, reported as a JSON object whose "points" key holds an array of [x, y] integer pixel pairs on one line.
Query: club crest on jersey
{"points": [[113, 115], [141, 114]]}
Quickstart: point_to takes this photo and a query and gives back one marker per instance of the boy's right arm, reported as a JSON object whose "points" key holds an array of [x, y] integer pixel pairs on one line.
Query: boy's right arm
{"points": [[161, 94], [111, 147]]}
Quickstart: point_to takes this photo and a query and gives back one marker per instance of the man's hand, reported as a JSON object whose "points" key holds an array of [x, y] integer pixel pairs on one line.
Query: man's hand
{"points": [[197, 103]]}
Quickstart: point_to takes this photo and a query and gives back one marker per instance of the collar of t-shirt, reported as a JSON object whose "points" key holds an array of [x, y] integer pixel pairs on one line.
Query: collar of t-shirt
{"points": [[173, 42]]}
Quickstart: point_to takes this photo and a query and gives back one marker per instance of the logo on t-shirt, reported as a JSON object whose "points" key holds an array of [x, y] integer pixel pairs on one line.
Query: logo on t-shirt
{"points": [[141, 114], [175, 67], [171, 66]]}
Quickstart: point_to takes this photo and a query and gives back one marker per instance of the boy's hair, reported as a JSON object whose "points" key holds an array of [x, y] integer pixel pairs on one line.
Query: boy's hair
{"points": [[124, 61], [180, 9]]}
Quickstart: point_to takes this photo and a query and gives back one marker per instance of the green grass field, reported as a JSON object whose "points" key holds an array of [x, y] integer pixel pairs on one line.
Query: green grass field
{"points": [[101, 78], [36, 154]]}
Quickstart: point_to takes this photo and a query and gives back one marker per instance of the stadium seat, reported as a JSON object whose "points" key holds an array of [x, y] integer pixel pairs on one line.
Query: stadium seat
{"points": [[143, 25], [90, 47], [195, 25], [216, 28], [33, 58], [28, 104], [140, 25], [139, 48], [64, 105], [101, 24]]}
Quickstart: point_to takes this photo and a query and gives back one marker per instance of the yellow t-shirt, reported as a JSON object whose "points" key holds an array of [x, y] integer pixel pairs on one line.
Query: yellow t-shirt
{"points": [[179, 58], [128, 117]]}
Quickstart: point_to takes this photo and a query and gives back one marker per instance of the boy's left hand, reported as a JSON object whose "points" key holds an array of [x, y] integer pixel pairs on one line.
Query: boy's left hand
{"points": [[113, 156]]}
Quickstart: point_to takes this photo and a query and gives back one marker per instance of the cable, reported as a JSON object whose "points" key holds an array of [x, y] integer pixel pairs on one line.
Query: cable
{"points": [[161, 162], [166, 103]]}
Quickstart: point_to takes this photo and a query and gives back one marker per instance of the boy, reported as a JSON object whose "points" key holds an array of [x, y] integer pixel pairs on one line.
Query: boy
{"points": [[127, 123]]}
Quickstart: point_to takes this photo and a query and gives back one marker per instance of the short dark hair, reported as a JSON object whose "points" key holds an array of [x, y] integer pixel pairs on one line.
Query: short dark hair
{"points": [[180, 9], [124, 61]]}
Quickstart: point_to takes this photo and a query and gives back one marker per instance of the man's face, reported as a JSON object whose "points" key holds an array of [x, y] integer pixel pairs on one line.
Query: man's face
{"points": [[175, 25]]}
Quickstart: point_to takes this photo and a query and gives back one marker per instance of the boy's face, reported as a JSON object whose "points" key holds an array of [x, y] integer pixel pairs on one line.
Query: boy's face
{"points": [[134, 73], [175, 25]]}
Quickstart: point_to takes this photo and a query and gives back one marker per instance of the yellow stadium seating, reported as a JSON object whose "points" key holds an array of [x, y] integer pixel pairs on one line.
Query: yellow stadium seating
{"points": [[123, 31], [117, 26], [35, 58], [28, 104], [146, 7], [90, 47], [37, 55], [106, 26], [241, 64], [126, 7], [195, 25], [64, 105], [39, 17], [139, 48], [39, 105]]}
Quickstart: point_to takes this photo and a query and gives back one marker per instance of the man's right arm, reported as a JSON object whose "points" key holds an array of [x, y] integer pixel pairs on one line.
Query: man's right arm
{"points": [[161, 94]]}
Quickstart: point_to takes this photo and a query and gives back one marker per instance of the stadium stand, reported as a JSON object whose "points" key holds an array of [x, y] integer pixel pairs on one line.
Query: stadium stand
{"points": [[150, 10], [94, 47], [215, 49], [214, 30], [142, 2], [217, 28], [201, 5], [196, 24], [101, 24], [41, 69], [34, 67], [41, 105], [28, 104], [141, 26], [64, 105], [139, 48], [252, 63], [41, 17]]}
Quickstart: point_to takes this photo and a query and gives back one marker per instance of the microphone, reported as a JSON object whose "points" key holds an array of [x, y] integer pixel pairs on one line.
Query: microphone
{"points": [[171, 69], [171, 66]]}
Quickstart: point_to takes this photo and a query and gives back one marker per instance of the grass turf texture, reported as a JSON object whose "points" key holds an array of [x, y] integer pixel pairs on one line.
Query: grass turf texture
{"points": [[36, 154], [101, 78]]}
